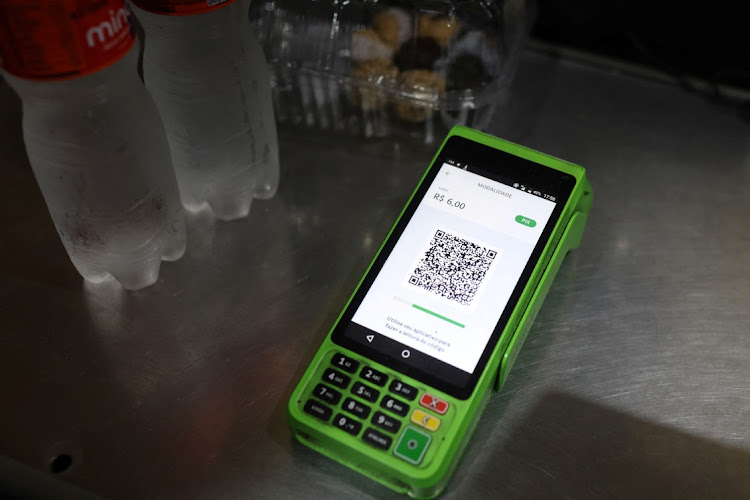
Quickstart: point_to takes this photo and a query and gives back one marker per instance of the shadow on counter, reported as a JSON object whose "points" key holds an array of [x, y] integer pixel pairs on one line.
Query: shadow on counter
{"points": [[573, 448]]}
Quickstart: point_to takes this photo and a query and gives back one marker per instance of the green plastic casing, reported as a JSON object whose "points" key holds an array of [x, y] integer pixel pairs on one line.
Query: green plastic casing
{"points": [[428, 479]]}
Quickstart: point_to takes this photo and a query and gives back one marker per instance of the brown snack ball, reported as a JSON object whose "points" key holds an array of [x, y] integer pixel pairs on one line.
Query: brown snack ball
{"points": [[386, 25], [441, 28], [417, 53], [378, 72], [421, 89], [394, 26], [375, 70]]}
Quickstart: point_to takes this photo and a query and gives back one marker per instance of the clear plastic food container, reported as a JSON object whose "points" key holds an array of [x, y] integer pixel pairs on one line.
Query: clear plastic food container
{"points": [[390, 67]]}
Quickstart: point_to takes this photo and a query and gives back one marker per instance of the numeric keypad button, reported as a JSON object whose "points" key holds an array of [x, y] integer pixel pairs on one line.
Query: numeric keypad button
{"points": [[404, 390], [325, 393], [365, 392], [344, 363], [336, 378], [356, 408], [385, 422], [394, 405], [347, 424], [374, 376]]}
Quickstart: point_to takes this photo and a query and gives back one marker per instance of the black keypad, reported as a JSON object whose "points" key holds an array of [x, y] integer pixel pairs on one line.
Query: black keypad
{"points": [[347, 424], [356, 408], [336, 378], [404, 390], [385, 422], [374, 376], [325, 393], [365, 392], [318, 410], [344, 363], [377, 439], [394, 405], [343, 395]]}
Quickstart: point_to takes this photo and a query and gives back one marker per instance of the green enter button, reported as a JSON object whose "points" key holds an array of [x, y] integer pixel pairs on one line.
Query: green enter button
{"points": [[412, 445], [525, 221]]}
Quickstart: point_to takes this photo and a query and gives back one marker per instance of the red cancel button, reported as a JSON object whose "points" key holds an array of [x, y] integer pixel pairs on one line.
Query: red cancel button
{"points": [[432, 403]]}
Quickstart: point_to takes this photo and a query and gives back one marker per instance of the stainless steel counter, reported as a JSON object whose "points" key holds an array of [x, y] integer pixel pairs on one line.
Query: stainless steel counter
{"points": [[634, 381]]}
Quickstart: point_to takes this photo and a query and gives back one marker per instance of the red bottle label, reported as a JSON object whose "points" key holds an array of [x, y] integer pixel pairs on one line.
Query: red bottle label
{"points": [[180, 7], [55, 39]]}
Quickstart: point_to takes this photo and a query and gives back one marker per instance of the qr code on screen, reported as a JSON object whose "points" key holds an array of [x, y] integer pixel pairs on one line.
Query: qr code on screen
{"points": [[453, 267]]}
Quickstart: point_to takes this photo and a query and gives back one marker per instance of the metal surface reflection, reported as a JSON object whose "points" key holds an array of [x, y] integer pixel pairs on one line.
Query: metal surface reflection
{"points": [[635, 379]]}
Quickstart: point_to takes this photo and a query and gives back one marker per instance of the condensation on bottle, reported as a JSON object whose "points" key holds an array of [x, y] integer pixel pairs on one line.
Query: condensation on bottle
{"points": [[94, 137], [206, 70]]}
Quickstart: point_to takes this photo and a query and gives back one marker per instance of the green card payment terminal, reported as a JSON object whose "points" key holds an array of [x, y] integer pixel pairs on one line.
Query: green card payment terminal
{"points": [[436, 322]]}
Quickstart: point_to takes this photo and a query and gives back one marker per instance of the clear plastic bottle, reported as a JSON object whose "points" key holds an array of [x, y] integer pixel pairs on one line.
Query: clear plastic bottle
{"points": [[94, 137], [207, 73]]}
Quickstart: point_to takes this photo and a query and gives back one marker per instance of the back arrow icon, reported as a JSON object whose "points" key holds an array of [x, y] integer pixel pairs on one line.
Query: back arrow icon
{"points": [[370, 337]]}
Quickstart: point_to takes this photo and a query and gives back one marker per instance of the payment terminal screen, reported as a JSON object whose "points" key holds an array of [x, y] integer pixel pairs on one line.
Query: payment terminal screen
{"points": [[444, 286]]}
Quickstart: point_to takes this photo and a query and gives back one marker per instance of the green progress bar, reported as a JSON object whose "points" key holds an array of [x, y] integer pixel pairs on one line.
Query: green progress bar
{"points": [[415, 306]]}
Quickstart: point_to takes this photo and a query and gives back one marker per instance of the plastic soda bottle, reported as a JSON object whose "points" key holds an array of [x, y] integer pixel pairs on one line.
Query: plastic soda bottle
{"points": [[93, 136], [207, 72]]}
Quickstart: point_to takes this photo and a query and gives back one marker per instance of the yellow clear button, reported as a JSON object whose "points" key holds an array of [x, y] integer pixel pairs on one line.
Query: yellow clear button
{"points": [[425, 420]]}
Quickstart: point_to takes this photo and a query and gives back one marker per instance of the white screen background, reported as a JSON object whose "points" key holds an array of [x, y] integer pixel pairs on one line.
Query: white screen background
{"points": [[489, 220]]}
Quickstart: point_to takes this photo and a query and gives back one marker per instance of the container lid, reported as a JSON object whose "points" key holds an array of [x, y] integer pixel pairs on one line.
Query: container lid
{"points": [[440, 54]]}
